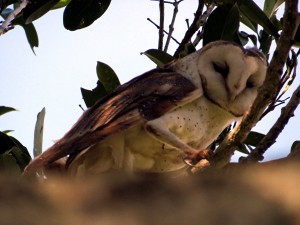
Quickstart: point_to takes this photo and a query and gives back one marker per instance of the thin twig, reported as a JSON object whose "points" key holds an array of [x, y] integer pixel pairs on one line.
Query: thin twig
{"points": [[286, 77], [171, 26], [267, 92], [192, 29], [6, 25], [286, 113], [164, 30], [198, 38], [161, 24]]}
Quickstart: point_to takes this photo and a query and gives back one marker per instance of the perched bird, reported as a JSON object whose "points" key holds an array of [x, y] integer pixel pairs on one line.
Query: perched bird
{"points": [[155, 121]]}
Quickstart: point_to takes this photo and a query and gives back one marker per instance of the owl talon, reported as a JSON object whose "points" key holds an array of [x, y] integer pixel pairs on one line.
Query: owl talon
{"points": [[194, 157]]}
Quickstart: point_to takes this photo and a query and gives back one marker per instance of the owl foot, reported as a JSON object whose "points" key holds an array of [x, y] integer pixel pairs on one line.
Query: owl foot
{"points": [[192, 158]]}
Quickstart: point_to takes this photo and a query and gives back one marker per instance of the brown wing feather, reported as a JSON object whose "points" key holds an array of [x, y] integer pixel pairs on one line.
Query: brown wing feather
{"points": [[144, 98]]}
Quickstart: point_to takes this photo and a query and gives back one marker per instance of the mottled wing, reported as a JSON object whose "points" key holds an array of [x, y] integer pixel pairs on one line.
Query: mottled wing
{"points": [[144, 98]]}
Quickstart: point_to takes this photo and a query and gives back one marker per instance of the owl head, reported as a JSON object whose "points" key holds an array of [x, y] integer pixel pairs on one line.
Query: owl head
{"points": [[231, 75], [227, 74]]}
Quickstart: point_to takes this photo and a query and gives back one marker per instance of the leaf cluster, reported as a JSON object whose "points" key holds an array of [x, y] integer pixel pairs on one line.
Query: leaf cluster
{"points": [[78, 14], [13, 155]]}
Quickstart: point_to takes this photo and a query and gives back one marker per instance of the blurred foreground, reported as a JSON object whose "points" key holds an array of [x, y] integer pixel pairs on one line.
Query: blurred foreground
{"points": [[267, 194]]}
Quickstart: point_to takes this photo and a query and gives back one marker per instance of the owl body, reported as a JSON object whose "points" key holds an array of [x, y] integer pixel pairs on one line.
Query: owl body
{"points": [[198, 124], [158, 119]]}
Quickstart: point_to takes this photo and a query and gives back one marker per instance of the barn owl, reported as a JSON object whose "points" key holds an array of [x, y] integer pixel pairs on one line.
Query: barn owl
{"points": [[158, 119]]}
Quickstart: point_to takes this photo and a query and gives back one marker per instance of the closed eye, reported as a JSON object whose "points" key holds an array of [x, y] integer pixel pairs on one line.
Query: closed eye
{"points": [[221, 69], [250, 84]]}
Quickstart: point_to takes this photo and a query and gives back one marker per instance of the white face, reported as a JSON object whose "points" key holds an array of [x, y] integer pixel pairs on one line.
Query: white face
{"points": [[231, 75]]}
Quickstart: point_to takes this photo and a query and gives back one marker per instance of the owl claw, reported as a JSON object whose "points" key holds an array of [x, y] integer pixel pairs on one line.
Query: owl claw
{"points": [[194, 157]]}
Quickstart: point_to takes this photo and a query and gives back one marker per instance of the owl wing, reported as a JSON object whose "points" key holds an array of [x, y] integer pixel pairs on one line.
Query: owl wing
{"points": [[146, 97]]}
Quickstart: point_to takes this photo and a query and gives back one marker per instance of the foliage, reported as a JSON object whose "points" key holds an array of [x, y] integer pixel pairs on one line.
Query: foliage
{"points": [[78, 14], [222, 20], [13, 155]]}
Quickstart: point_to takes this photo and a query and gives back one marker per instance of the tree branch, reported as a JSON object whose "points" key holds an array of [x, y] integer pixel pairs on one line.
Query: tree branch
{"points": [[286, 113], [171, 26], [267, 92], [6, 25], [161, 24], [164, 30], [192, 29]]}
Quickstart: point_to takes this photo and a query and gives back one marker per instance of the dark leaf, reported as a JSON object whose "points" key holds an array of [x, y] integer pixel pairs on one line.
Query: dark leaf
{"points": [[7, 131], [244, 19], [37, 8], [297, 36], [276, 22], [159, 57], [9, 164], [91, 96], [107, 77], [265, 42], [30, 32], [254, 138], [7, 142], [253, 38], [21, 157], [257, 16], [5, 13], [223, 24], [243, 36], [81, 13], [15, 148], [243, 149], [5, 109], [188, 49], [4, 4]]}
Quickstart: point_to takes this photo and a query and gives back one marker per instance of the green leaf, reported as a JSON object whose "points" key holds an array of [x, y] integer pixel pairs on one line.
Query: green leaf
{"points": [[248, 23], [15, 148], [159, 57], [91, 96], [37, 8], [270, 6], [254, 138], [297, 36], [30, 32], [38, 133], [223, 24], [189, 48], [61, 4], [9, 164], [257, 16], [7, 131], [5, 109], [81, 13], [107, 77], [265, 42]]}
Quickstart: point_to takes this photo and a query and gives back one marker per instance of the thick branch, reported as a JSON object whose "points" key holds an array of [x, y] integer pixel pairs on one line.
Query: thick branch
{"points": [[192, 29], [268, 90], [6, 25]]}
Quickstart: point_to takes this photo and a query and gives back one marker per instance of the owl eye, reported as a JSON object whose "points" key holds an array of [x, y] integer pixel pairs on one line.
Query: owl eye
{"points": [[250, 84], [222, 69]]}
